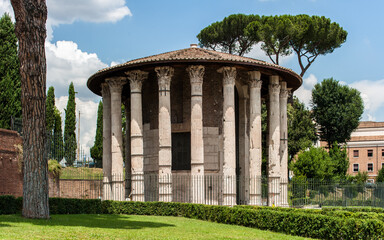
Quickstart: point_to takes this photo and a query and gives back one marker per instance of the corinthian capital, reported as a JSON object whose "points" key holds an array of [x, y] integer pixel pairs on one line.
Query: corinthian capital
{"points": [[229, 75], [284, 91], [105, 90], [196, 73], [136, 78], [116, 83], [274, 85], [254, 80], [164, 75]]}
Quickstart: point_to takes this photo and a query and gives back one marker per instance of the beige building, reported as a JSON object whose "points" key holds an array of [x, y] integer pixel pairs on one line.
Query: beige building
{"points": [[366, 149], [195, 115]]}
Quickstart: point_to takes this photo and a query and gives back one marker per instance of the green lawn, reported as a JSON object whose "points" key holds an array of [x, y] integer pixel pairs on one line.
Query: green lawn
{"points": [[125, 227]]}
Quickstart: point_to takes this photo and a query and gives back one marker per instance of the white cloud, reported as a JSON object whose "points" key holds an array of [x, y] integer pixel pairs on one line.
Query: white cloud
{"points": [[88, 117], [304, 93], [5, 7], [373, 97], [66, 63], [259, 54], [86, 10]]}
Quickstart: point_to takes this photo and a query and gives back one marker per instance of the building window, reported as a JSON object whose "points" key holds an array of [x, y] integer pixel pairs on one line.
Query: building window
{"points": [[370, 153], [355, 153], [370, 167], [382, 165], [382, 152], [355, 167]]}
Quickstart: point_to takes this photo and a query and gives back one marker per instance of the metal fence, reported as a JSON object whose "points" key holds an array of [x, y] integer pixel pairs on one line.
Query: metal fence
{"points": [[214, 189]]}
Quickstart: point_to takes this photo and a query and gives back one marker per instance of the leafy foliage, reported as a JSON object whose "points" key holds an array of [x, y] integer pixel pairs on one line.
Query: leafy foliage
{"points": [[301, 128], [275, 34], [97, 149], [70, 145], [229, 34], [54, 167], [313, 36], [314, 163], [337, 109], [380, 176], [10, 94], [340, 160], [307, 36]]}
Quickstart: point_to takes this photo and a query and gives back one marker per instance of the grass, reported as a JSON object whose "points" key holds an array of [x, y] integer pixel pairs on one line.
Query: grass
{"points": [[125, 227], [81, 173]]}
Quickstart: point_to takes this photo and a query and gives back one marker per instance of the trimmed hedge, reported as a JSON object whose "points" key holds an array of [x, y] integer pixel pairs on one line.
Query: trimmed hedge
{"points": [[10, 205], [295, 222], [335, 212]]}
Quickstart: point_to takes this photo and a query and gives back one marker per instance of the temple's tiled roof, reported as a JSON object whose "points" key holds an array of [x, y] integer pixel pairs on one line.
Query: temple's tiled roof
{"points": [[195, 53], [192, 55]]}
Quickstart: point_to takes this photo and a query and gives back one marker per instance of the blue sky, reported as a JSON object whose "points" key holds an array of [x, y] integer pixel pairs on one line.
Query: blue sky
{"points": [[86, 35]]}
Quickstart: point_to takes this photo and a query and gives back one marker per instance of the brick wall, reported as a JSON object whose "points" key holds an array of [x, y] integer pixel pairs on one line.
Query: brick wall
{"points": [[11, 179]]}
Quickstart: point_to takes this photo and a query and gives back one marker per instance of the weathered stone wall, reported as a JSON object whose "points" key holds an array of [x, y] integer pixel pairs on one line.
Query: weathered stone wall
{"points": [[151, 149], [75, 188], [11, 178]]}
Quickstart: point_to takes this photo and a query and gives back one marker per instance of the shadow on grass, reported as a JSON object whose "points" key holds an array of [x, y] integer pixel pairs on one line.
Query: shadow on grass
{"points": [[86, 220]]}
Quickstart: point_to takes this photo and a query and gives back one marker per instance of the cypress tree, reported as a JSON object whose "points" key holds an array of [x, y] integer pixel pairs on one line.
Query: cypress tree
{"points": [[58, 145], [50, 110], [70, 145], [97, 149], [10, 94]]}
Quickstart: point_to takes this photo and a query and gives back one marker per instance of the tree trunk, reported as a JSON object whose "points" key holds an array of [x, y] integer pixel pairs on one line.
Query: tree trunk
{"points": [[31, 16]]}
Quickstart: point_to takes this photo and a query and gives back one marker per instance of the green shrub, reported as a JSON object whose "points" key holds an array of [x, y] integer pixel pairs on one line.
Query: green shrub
{"points": [[10, 205]]}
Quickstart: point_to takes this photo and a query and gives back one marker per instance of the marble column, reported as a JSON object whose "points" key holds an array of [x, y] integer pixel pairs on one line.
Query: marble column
{"points": [[196, 74], [255, 138], [128, 182], [243, 171], [164, 75], [284, 92], [116, 86], [107, 164], [136, 79], [274, 142], [229, 136]]}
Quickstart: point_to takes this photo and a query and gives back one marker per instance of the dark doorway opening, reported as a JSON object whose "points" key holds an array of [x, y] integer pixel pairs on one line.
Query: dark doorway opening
{"points": [[181, 151]]}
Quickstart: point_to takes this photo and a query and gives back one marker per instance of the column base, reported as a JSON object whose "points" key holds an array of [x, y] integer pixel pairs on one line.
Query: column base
{"points": [[198, 188], [137, 187], [274, 191], [165, 187], [255, 191], [229, 190], [107, 189]]}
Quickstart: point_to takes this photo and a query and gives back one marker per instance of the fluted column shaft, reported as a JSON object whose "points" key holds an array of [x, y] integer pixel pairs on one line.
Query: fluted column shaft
{"points": [[274, 142], [136, 79], [229, 136], [127, 107], [255, 138], [107, 157], [196, 74], [164, 75], [284, 92], [116, 86]]}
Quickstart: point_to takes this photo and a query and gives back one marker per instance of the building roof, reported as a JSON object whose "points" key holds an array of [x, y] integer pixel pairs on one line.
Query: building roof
{"points": [[188, 56]]}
